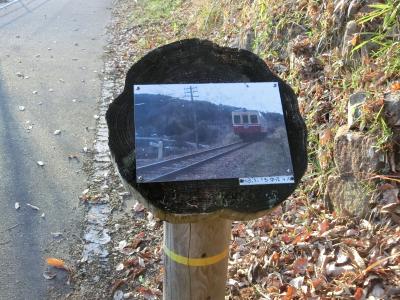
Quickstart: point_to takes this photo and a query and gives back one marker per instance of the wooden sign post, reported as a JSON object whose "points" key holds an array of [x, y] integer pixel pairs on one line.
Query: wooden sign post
{"points": [[233, 147], [196, 259]]}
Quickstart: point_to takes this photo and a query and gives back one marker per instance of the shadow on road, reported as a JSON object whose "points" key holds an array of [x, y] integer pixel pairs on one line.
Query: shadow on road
{"points": [[21, 257]]}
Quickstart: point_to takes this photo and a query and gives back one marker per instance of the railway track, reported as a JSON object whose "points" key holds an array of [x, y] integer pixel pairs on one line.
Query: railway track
{"points": [[170, 168]]}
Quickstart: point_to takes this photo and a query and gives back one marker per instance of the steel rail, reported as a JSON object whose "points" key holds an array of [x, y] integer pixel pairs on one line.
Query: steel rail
{"points": [[176, 159], [185, 168]]}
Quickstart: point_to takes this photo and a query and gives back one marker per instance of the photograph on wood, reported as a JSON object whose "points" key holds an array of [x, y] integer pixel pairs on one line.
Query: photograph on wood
{"points": [[186, 132]]}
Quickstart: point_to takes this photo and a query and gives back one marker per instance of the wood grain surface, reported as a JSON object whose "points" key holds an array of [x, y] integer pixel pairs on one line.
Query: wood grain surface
{"points": [[196, 240]]}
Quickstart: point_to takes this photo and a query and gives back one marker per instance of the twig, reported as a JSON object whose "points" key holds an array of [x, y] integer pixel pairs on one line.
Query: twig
{"points": [[387, 177], [33, 206], [12, 227]]}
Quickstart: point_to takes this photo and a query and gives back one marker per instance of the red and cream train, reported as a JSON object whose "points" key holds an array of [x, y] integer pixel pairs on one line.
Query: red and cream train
{"points": [[249, 124]]}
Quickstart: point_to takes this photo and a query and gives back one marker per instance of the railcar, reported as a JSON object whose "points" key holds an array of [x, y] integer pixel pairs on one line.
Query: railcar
{"points": [[249, 124]]}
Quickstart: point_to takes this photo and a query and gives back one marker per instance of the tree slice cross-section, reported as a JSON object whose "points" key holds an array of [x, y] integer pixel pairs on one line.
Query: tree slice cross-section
{"points": [[199, 61]]}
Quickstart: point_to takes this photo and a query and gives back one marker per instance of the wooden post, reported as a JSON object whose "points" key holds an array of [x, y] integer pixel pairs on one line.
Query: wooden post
{"points": [[196, 260]]}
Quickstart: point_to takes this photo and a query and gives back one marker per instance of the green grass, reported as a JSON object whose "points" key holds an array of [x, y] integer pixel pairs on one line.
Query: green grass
{"points": [[385, 39], [155, 10]]}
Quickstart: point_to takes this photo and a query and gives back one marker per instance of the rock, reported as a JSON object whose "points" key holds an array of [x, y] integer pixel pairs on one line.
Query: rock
{"points": [[354, 108], [244, 40], [355, 155], [348, 196], [249, 37], [390, 196], [351, 30], [392, 109], [353, 8]]}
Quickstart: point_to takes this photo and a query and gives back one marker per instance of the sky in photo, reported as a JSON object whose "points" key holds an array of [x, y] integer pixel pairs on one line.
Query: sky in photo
{"points": [[262, 96]]}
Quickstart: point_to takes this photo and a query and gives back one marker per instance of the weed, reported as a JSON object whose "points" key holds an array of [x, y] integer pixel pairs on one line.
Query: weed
{"points": [[385, 39], [154, 10]]}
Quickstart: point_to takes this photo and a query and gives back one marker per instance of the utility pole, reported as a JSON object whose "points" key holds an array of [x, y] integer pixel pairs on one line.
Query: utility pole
{"points": [[193, 93]]}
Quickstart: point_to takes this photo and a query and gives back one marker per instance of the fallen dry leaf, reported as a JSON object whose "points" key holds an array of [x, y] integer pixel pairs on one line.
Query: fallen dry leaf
{"points": [[300, 265], [379, 262], [55, 262], [358, 294], [116, 285], [290, 293], [325, 137], [395, 86], [317, 282], [323, 226]]}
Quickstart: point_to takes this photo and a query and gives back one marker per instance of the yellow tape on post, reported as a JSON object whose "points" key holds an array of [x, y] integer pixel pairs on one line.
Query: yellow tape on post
{"points": [[195, 262]]}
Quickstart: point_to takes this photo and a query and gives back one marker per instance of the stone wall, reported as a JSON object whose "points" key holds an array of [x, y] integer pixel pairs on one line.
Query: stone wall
{"points": [[356, 189]]}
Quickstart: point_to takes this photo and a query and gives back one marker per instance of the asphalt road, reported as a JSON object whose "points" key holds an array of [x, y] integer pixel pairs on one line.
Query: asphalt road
{"points": [[50, 63]]}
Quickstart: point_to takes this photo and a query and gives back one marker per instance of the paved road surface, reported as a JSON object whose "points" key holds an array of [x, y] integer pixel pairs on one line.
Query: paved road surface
{"points": [[58, 46]]}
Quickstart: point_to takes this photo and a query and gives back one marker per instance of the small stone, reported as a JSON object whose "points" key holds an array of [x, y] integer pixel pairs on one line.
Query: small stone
{"points": [[21, 108], [119, 267], [354, 106], [128, 295], [16, 205], [96, 117], [141, 262], [40, 163], [118, 295], [74, 100], [57, 132], [34, 92], [51, 90]]}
